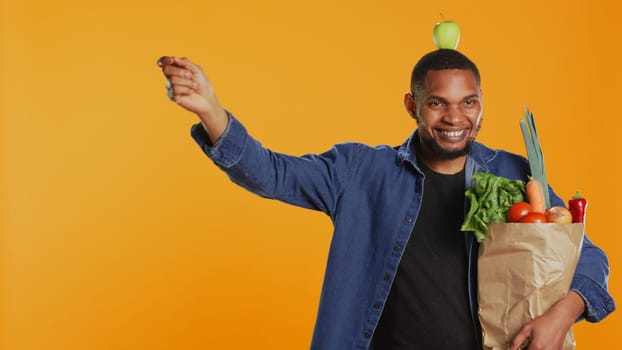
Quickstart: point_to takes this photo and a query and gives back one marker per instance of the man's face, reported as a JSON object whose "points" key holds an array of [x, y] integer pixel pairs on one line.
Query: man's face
{"points": [[448, 111]]}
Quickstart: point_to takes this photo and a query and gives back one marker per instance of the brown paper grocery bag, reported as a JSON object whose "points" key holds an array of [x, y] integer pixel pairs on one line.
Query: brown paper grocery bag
{"points": [[523, 269]]}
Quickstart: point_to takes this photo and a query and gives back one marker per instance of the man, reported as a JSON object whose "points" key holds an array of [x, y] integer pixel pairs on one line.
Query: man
{"points": [[400, 274]]}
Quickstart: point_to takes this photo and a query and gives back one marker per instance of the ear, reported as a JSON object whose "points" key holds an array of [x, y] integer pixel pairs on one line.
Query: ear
{"points": [[410, 105]]}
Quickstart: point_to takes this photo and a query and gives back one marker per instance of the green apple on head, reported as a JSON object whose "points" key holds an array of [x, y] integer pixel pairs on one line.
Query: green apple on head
{"points": [[446, 35]]}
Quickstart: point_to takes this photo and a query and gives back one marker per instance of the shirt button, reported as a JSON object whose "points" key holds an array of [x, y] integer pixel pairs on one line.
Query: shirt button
{"points": [[376, 306], [409, 219], [397, 248], [387, 277], [367, 334]]}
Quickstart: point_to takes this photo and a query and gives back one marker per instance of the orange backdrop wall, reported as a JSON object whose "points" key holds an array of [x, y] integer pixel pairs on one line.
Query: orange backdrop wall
{"points": [[116, 231]]}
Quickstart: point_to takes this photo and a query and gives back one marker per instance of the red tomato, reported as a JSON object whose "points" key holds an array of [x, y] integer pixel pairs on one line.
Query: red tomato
{"points": [[518, 210], [534, 218]]}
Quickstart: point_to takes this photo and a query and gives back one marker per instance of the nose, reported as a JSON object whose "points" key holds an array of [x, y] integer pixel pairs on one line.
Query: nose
{"points": [[453, 114]]}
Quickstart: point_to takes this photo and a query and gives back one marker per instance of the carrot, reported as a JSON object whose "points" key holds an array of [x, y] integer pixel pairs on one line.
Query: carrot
{"points": [[535, 195]]}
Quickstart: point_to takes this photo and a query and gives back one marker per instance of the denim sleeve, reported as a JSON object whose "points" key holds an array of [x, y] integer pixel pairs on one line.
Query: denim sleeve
{"points": [[591, 277], [590, 281], [314, 181], [228, 149]]}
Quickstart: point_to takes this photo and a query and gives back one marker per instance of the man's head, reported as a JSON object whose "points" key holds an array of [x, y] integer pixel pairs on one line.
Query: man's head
{"points": [[440, 60], [446, 102]]}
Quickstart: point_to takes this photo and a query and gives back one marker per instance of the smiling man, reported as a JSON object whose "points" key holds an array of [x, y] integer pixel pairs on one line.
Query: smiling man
{"points": [[448, 109], [400, 273]]}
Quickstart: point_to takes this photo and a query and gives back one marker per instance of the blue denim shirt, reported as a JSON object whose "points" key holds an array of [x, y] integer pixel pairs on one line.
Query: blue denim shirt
{"points": [[373, 195]]}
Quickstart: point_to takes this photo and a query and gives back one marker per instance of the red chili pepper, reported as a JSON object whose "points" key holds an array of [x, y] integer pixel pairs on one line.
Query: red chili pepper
{"points": [[577, 206]]}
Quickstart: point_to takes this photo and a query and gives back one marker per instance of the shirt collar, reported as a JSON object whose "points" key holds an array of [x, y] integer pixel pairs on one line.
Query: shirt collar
{"points": [[406, 151]]}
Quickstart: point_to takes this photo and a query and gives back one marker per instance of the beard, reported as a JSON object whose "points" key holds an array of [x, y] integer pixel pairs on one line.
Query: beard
{"points": [[445, 154]]}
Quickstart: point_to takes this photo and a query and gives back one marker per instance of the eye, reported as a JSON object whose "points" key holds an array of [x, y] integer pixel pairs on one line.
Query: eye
{"points": [[435, 104], [471, 102]]}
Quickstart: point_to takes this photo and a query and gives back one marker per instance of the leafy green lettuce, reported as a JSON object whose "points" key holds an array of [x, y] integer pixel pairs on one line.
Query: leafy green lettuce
{"points": [[491, 197]]}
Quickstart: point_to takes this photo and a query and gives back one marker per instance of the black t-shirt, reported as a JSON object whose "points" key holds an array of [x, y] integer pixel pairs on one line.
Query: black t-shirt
{"points": [[428, 307]]}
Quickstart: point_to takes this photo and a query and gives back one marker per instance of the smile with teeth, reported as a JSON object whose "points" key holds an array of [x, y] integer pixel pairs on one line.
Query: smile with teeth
{"points": [[452, 134]]}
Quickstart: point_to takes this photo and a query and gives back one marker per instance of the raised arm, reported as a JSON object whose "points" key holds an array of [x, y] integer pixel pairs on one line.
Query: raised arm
{"points": [[313, 181]]}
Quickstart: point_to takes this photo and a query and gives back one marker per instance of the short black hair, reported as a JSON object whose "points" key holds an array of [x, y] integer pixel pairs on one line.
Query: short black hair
{"points": [[439, 60]]}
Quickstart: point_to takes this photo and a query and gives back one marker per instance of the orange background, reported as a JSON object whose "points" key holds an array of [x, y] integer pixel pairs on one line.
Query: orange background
{"points": [[116, 231]]}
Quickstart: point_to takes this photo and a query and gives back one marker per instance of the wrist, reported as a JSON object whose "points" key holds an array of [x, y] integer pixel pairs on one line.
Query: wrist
{"points": [[214, 121], [212, 108], [572, 305]]}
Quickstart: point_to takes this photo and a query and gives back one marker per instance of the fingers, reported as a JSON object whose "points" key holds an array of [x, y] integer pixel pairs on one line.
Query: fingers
{"points": [[186, 84], [186, 63], [172, 71], [521, 340], [174, 80], [180, 90], [178, 79], [177, 87], [180, 62], [174, 66], [164, 60]]}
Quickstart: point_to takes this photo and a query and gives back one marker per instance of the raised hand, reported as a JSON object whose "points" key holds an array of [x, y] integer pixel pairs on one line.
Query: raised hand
{"points": [[188, 86]]}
